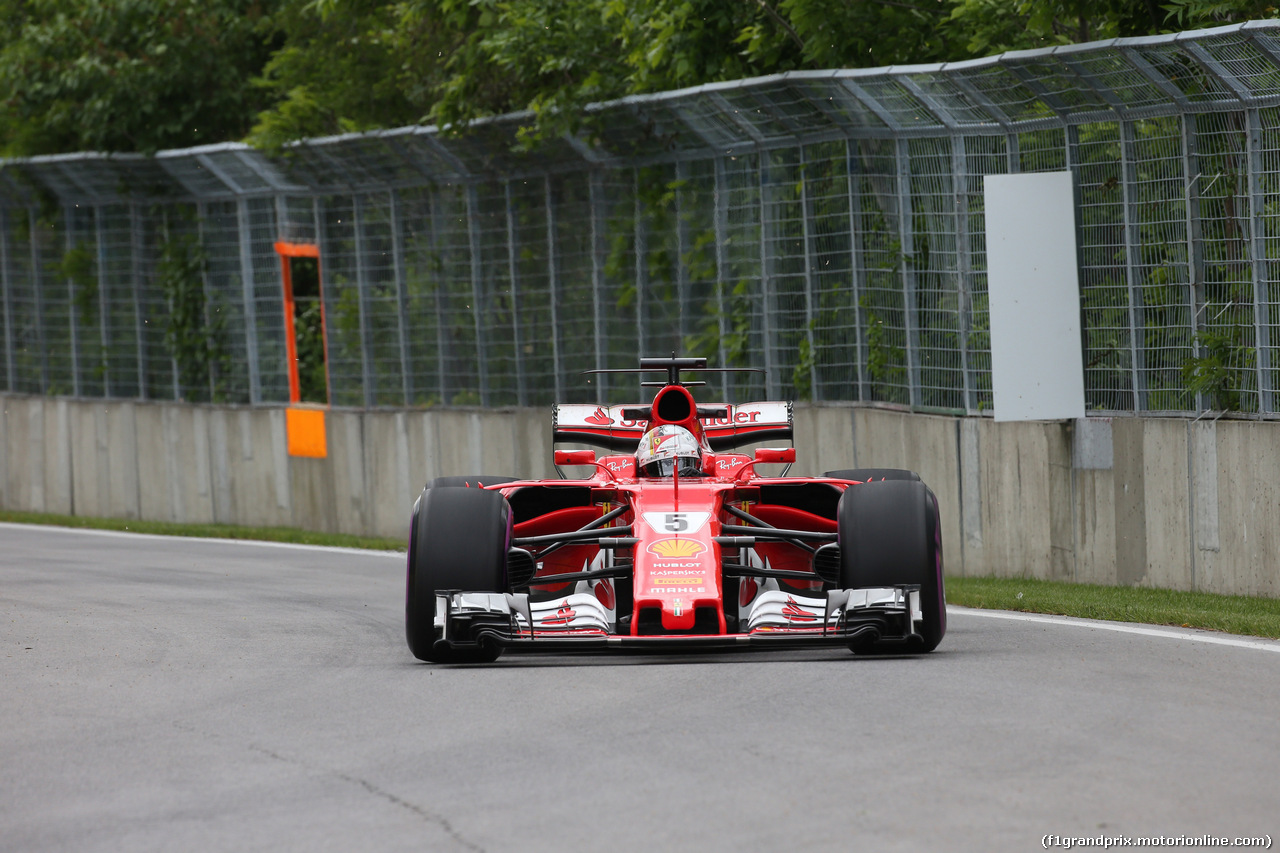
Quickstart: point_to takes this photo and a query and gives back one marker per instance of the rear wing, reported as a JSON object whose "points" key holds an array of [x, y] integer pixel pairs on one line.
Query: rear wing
{"points": [[620, 427]]}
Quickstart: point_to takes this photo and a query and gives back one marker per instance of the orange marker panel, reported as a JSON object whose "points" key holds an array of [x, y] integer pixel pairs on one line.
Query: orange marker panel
{"points": [[305, 429]]}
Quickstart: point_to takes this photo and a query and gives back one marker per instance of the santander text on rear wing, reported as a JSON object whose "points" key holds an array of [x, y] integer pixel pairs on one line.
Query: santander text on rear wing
{"points": [[620, 427]]}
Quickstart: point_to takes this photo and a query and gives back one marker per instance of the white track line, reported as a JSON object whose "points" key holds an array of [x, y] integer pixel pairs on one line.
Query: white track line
{"points": [[399, 555], [1194, 636]]}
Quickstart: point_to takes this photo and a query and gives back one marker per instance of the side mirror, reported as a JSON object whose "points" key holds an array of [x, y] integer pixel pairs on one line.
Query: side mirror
{"points": [[576, 457], [775, 454]]}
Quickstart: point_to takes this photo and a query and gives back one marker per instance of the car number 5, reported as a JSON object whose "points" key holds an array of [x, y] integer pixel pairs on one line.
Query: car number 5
{"points": [[675, 522]]}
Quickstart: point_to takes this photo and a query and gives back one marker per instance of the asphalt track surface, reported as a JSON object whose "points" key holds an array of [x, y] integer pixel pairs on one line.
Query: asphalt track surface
{"points": [[170, 694]]}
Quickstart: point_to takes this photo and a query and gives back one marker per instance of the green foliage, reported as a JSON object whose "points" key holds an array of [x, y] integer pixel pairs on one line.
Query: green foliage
{"points": [[343, 67], [78, 267], [885, 360], [141, 75], [1192, 14], [1218, 370], [128, 75], [802, 373], [145, 74], [195, 330], [308, 329], [344, 334], [993, 26], [726, 325]]}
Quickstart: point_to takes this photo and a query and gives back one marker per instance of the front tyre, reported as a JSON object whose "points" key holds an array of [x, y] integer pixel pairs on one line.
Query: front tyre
{"points": [[872, 475], [474, 481], [458, 539], [890, 534]]}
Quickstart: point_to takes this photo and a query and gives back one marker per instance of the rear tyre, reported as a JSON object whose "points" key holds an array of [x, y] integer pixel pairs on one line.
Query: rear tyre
{"points": [[458, 539], [469, 480], [889, 534], [867, 475]]}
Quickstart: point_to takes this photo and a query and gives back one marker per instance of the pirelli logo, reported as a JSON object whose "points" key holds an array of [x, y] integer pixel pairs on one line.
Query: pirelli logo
{"points": [[677, 581]]}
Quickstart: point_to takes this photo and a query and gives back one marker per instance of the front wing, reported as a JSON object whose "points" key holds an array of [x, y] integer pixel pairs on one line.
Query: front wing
{"points": [[579, 622]]}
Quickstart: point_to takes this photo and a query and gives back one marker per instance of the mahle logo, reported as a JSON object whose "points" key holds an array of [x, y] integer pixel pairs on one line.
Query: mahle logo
{"points": [[673, 548]]}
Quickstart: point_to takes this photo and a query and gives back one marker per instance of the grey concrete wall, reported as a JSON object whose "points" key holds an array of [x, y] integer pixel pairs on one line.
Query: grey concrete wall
{"points": [[1143, 501], [1157, 502], [225, 464]]}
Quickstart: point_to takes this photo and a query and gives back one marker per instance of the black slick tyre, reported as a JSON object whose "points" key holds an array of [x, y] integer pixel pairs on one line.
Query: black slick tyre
{"points": [[469, 481], [868, 475], [889, 534], [458, 539]]}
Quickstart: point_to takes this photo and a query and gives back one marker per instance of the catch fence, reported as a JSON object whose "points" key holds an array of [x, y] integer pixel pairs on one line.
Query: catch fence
{"points": [[825, 226]]}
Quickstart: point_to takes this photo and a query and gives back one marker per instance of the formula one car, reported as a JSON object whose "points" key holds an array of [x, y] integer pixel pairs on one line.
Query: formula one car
{"points": [[674, 540]]}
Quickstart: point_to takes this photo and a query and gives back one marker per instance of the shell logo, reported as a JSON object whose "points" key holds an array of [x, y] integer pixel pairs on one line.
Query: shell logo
{"points": [[671, 548]]}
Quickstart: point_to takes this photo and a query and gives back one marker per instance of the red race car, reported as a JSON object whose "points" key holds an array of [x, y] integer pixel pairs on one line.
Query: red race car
{"points": [[674, 540]]}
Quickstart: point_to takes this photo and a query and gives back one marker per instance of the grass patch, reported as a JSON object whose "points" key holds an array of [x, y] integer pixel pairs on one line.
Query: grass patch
{"points": [[1234, 614], [208, 531]]}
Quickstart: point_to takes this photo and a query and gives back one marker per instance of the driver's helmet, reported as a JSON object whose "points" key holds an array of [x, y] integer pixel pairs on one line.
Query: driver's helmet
{"points": [[668, 449]]}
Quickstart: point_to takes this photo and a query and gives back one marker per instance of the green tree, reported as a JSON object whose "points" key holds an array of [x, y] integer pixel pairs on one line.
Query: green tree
{"points": [[344, 65], [992, 26], [553, 57], [129, 75]]}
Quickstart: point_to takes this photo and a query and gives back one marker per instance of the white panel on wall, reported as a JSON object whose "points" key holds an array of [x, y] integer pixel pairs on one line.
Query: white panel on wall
{"points": [[1037, 369]]}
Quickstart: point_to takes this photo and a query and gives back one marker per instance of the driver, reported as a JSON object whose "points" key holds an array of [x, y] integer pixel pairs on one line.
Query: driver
{"points": [[667, 449]]}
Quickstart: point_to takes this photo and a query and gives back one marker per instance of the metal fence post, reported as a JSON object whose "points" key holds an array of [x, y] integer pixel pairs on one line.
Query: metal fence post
{"points": [[513, 279], [317, 224], [642, 267], [722, 264], [103, 303], [207, 289], [1258, 264], [1194, 237], [683, 297], [810, 297], [906, 238], [135, 274], [73, 321], [595, 202], [1132, 248], [964, 263], [553, 285], [442, 343], [37, 289], [773, 388], [173, 358], [402, 298], [250, 299], [722, 274], [853, 171], [362, 292], [477, 292], [6, 294]]}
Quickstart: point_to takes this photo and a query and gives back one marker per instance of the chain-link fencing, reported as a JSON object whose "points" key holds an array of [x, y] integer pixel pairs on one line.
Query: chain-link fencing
{"points": [[827, 227]]}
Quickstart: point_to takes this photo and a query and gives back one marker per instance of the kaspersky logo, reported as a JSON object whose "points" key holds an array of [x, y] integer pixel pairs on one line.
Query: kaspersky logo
{"points": [[673, 548]]}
